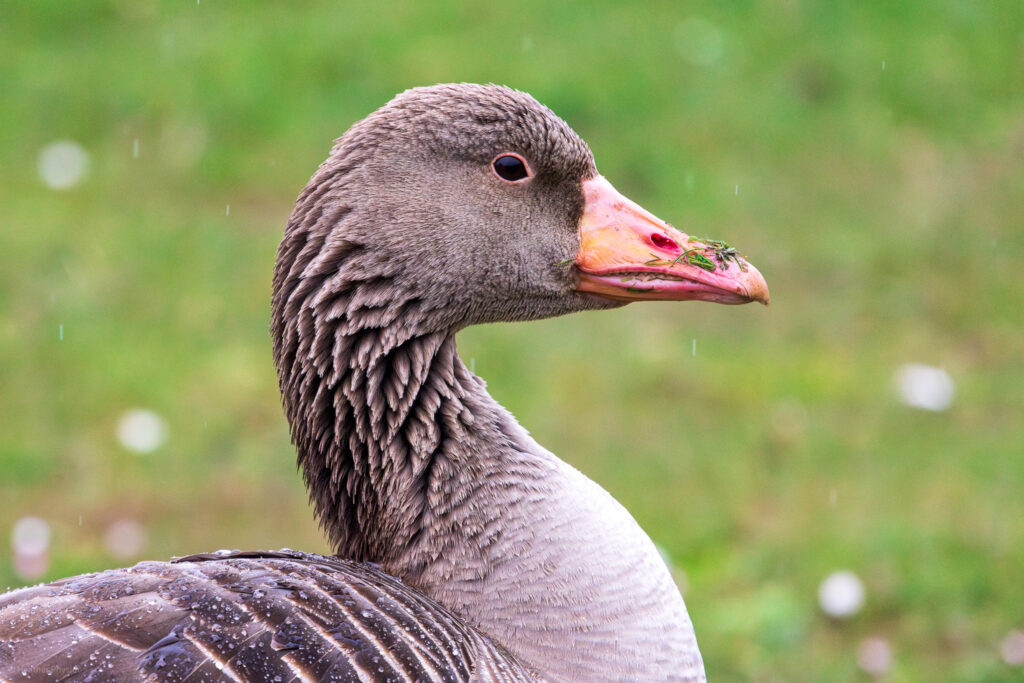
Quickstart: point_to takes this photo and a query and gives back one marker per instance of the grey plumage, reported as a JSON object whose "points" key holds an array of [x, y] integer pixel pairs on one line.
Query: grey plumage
{"points": [[256, 616], [402, 237]]}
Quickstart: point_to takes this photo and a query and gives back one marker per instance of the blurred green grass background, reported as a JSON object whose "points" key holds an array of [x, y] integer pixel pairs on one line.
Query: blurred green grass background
{"points": [[867, 157]]}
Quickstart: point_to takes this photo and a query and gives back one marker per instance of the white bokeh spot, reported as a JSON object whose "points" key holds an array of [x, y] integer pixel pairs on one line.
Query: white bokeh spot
{"points": [[30, 543], [1012, 648], [141, 431], [925, 387], [63, 164], [30, 535], [841, 594]]}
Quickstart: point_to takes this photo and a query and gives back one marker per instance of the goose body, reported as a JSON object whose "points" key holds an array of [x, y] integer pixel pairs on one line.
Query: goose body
{"points": [[450, 206]]}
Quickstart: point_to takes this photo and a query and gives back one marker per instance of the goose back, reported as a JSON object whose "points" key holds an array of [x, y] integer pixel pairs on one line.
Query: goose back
{"points": [[243, 616]]}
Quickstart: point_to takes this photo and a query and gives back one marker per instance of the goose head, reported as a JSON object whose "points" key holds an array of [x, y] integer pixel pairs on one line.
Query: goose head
{"points": [[478, 204]]}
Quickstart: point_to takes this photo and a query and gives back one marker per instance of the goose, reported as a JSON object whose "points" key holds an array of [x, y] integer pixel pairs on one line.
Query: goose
{"points": [[464, 549]]}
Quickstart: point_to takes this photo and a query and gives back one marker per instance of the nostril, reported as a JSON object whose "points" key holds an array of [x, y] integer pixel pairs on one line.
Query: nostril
{"points": [[662, 242]]}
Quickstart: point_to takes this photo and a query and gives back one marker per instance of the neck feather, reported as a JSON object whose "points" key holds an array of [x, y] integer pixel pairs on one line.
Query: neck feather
{"points": [[374, 407]]}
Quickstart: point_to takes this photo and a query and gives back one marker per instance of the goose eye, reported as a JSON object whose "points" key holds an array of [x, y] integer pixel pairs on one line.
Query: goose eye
{"points": [[510, 167]]}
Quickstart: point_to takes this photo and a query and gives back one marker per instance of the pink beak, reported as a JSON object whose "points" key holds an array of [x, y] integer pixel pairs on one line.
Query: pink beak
{"points": [[627, 254]]}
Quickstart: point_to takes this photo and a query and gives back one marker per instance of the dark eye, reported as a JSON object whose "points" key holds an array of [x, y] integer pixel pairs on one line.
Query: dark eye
{"points": [[510, 167]]}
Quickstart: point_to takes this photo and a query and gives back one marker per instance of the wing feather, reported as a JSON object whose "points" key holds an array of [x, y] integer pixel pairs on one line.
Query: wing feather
{"points": [[241, 616]]}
